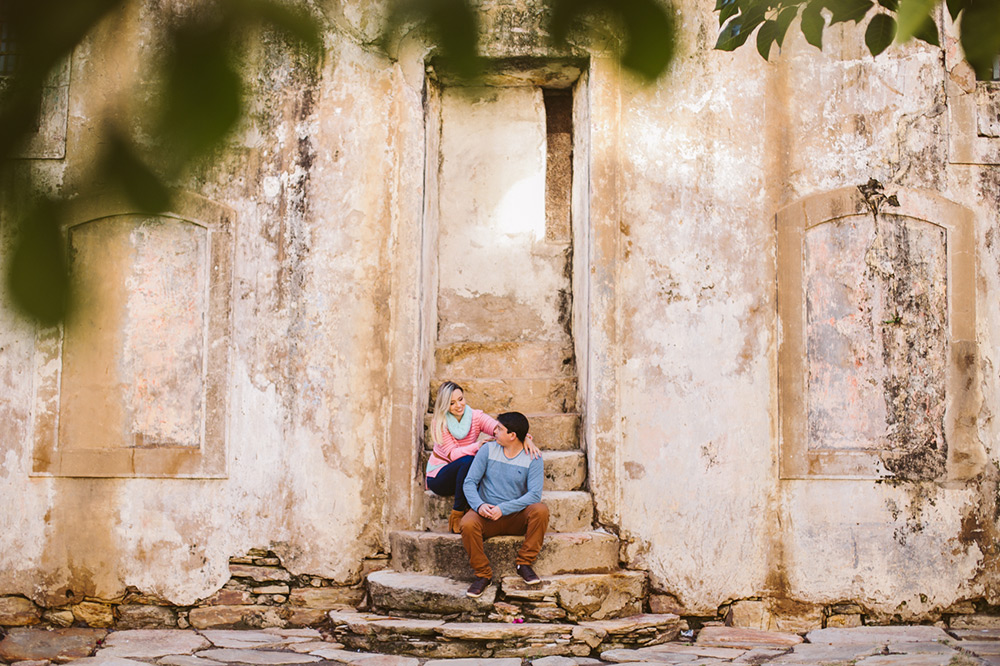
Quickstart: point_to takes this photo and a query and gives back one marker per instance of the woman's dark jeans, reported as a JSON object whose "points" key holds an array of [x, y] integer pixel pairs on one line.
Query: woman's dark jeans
{"points": [[449, 480]]}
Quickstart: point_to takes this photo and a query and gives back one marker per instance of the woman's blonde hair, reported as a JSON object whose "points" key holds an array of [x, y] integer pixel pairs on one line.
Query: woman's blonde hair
{"points": [[441, 409]]}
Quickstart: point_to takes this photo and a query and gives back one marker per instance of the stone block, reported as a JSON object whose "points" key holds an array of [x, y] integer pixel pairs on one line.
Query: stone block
{"points": [[564, 470], [978, 621], [443, 554], [152, 643], [225, 597], [259, 574], [551, 432], [569, 511], [749, 639], [665, 603], [549, 395], [135, 616], [207, 617], [305, 617], [399, 591], [57, 645], [512, 661], [242, 638], [94, 614], [843, 621], [271, 589], [18, 612], [59, 617], [750, 614], [585, 596], [326, 598]]}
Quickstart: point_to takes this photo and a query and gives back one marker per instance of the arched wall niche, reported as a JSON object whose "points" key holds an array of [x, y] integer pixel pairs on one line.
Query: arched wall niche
{"points": [[877, 354], [133, 383]]}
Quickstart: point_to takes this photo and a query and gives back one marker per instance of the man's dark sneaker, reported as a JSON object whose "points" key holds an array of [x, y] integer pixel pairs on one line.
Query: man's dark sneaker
{"points": [[478, 587], [528, 574]]}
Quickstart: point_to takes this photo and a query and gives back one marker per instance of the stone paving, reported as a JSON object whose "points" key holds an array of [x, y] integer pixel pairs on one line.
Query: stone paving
{"points": [[714, 646]]}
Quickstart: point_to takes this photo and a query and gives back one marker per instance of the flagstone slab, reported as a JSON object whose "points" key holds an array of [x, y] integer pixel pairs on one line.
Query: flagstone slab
{"points": [[555, 660], [234, 638], [311, 634], [370, 623], [977, 634], [257, 657], [921, 647], [185, 660], [696, 650], [906, 660], [485, 631], [309, 646], [511, 661], [904, 634], [58, 645], [739, 637], [821, 653], [152, 643], [628, 625], [99, 660], [386, 660], [336, 654], [634, 656], [981, 648]]}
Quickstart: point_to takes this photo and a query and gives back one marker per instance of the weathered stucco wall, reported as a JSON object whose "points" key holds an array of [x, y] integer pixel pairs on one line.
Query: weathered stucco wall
{"points": [[677, 333], [318, 178]]}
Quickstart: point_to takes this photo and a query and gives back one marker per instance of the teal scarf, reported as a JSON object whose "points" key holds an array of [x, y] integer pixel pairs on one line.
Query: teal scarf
{"points": [[459, 429]]}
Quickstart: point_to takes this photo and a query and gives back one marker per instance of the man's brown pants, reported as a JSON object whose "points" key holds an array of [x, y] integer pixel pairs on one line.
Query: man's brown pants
{"points": [[531, 521]]}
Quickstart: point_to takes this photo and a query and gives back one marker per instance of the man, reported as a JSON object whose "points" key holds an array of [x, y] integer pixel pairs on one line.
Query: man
{"points": [[504, 490]]}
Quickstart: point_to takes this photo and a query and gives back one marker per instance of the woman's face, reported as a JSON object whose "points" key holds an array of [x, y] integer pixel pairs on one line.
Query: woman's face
{"points": [[457, 405]]}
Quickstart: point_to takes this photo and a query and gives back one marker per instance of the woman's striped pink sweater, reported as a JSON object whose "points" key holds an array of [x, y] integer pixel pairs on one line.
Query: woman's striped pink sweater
{"points": [[450, 449]]}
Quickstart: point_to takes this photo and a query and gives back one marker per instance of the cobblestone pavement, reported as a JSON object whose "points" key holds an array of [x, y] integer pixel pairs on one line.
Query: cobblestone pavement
{"points": [[861, 646]]}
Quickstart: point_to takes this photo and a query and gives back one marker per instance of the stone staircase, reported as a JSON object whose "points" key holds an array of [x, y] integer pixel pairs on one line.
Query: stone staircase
{"points": [[585, 604]]}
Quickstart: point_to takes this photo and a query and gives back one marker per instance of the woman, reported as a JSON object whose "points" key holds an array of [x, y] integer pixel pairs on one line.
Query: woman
{"points": [[455, 430]]}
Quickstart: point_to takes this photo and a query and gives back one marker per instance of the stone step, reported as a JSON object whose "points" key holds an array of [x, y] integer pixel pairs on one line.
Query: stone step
{"points": [[564, 470], [560, 598], [442, 554], [547, 394], [569, 510], [443, 640], [498, 358], [554, 431]]}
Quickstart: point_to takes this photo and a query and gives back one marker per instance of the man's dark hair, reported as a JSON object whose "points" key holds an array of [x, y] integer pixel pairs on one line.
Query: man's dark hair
{"points": [[516, 422]]}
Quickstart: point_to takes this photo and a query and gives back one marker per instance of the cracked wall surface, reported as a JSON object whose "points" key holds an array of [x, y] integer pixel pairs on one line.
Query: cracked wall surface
{"points": [[676, 325]]}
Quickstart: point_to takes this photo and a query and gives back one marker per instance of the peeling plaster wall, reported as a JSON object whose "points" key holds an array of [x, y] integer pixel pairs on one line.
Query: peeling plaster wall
{"points": [[708, 154], [318, 191], [679, 363]]}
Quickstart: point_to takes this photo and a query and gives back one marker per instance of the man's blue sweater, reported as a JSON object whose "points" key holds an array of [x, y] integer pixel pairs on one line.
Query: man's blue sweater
{"points": [[511, 484]]}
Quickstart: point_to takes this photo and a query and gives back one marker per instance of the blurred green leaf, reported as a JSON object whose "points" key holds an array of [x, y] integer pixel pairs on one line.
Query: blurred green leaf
{"points": [[891, 5], [294, 21], [38, 278], [928, 32], [650, 30], [203, 92], [139, 183], [813, 23], [912, 16], [981, 35], [453, 25], [848, 10], [955, 7], [728, 11], [880, 33]]}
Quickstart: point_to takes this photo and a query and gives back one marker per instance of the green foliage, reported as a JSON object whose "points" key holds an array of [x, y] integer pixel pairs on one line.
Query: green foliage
{"points": [[888, 20], [650, 30], [200, 101]]}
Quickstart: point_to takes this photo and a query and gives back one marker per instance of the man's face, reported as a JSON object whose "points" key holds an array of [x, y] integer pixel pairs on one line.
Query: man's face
{"points": [[503, 435]]}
